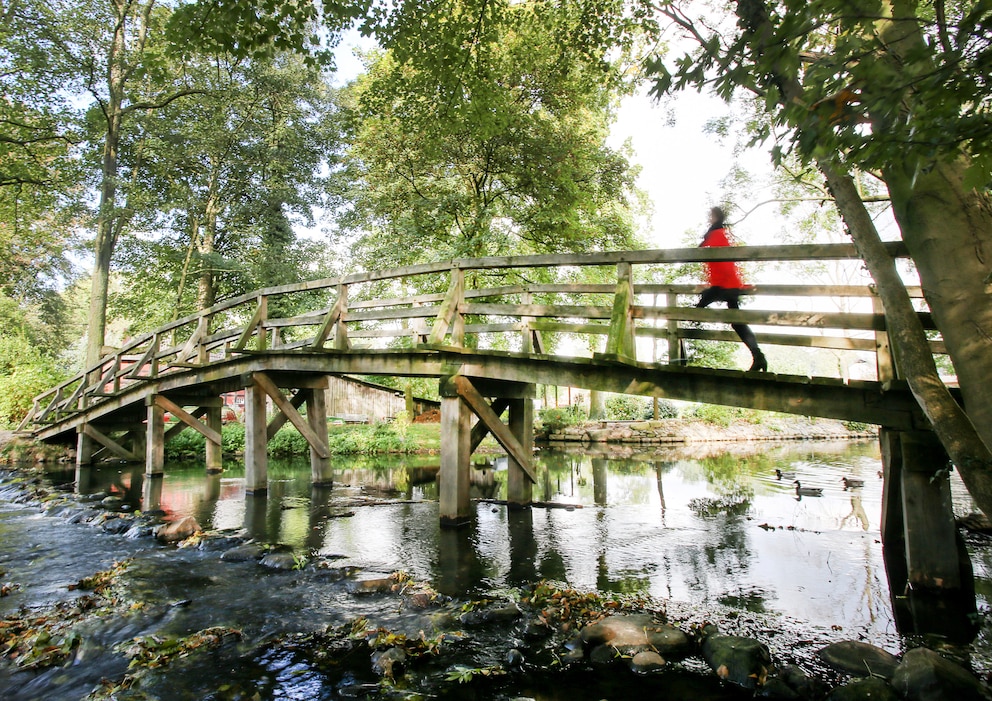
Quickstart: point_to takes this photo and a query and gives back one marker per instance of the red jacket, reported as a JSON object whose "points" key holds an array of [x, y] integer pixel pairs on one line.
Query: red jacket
{"points": [[723, 273]]}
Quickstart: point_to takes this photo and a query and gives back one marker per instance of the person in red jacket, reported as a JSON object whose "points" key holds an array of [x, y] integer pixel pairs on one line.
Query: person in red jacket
{"points": [[727, 286]]}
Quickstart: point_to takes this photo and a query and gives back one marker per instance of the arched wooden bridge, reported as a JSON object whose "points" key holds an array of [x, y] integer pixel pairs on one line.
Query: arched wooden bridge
{"points": [[491, 330]]}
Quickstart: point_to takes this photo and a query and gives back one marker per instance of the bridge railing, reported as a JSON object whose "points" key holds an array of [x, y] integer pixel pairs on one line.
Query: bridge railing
{"points": [[535, 301]]}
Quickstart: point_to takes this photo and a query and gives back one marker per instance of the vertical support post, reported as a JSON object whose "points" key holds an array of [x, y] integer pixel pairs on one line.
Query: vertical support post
{"points": [[458, 320], [931, 534], [620, 342], [519, 488], [341, 341], [320, 468], [884, 358], [256, 440], [155, 441], [263, 315], [676, 350], [892, 527], [526, 332], [84, 448], [456, 454], [215, 455]]}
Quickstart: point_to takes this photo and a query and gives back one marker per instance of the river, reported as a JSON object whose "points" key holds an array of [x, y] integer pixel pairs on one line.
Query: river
{"points": [[709, 532]]}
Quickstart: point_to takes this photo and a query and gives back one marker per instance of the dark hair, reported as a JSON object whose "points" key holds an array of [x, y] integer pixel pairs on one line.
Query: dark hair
{"points": [[717, 214]]}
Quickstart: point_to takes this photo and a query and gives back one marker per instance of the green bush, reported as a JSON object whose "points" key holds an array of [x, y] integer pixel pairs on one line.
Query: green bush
{"points": [[625, 407], [858, 426], [716, 414], [556, 418], [666, 410], [191, 444], [25, 372]]}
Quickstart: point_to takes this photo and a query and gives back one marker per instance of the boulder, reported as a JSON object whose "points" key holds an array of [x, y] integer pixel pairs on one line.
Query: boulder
{"points": [[244, 553], [111, 502], [178, 530], [116, 526], [738, 660], [598, 435], [377, 585], [503, 614], [860, 659], [776, 689], [870, 689], [923, 675]]}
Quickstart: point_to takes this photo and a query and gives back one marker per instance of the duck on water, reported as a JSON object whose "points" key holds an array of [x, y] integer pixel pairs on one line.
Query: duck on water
{"points": [[807, 491]]}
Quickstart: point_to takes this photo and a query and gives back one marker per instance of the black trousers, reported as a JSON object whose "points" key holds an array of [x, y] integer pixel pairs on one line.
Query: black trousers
{"points": [[732, 297]]}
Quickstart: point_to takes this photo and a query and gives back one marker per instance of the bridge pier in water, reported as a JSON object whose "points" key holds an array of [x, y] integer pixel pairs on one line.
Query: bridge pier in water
{"points": [[460, 398], [928, 566]]}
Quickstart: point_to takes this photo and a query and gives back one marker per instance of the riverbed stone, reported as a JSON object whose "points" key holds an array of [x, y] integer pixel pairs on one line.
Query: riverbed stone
{"points": [[503, 614], [647, 662], [111, 502], [598, 435], [860, 659], [374, 585], [388, 663], [738, 660], [923, 675], [870, 689], [279, 561], [116, 526], [178, 530], [244, 553], [635, 633], [777, 690], [138, 530]]}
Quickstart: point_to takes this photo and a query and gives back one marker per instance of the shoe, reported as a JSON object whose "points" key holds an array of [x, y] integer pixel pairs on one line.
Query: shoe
{"points": [[760, 363]]}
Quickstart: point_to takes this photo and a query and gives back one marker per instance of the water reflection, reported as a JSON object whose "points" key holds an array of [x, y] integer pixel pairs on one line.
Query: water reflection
{"points": [[709, 526]]}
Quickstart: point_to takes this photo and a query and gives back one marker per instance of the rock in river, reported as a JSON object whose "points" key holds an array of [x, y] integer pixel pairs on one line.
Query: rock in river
{"points": [[279, 561], [388, 663], [647, 662], [860, 659], [871, 689], [740, 661], [178, 530], [635, 633], [244, 553], [923, 675]]}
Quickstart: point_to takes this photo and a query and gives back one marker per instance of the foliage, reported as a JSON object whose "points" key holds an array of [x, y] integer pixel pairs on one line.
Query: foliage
{"points": [[154, 651], [556, 418], [26, 369], [510, 157], [190, 444], [666, 410], [626, 407], [724, 415], [41, 638]]}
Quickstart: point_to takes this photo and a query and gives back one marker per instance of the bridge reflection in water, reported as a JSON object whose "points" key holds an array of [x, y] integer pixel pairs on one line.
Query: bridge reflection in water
{"points": [[707, 531]]}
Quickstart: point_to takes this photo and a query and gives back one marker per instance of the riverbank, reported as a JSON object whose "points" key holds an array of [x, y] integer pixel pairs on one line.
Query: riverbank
{"points": [[682, 431], [223, 615]]}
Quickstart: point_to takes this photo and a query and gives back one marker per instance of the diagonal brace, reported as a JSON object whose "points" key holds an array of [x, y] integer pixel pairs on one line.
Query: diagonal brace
{"points": [[188, 419], [265, 383], [501, 432]]}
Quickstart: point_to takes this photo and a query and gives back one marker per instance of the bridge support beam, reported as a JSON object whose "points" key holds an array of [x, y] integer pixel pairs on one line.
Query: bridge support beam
{"points": [[461, 397], [256, 440], [917, 519], [155, 442], [84, 448]]}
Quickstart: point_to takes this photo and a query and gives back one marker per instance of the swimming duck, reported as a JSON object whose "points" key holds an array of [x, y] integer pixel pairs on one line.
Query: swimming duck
{"points": [[808, 491], [849, 483], [785, 475]]}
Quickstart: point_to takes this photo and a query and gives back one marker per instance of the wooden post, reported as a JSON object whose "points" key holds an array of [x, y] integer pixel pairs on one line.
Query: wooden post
{"points": [[931, 534], [256, 440], [676, 351], [892, 527], [456, 457], [84, 448], [458, 320], [519, 486], [151, 493], [215, 454], [620, 342], [320, 465], [341, 341], [155, 443], [884, 359]]}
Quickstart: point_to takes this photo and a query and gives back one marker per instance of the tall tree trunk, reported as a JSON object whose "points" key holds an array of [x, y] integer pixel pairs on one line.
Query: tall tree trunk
{"points": [[207, 288], [956, 431], [106, 231]]}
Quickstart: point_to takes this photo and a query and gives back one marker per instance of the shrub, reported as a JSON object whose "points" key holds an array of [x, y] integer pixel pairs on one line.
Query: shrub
{"points": [[666, 410], [556, 418], [625, 407]]}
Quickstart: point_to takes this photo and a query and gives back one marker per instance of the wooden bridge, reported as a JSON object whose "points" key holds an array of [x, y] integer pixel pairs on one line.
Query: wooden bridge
{"points": [[491, 329]]}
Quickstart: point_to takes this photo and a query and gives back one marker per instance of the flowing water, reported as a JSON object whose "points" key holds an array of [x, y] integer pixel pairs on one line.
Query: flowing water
{"points": [[710, 531]]}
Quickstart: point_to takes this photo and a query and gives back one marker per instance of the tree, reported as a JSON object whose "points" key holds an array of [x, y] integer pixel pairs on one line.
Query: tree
{"points": [[226, 174], [504, 152], [890, 89]]}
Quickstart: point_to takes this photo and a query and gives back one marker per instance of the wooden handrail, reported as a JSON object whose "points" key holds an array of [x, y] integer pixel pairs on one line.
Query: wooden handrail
{"points": [[508, 308]]}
